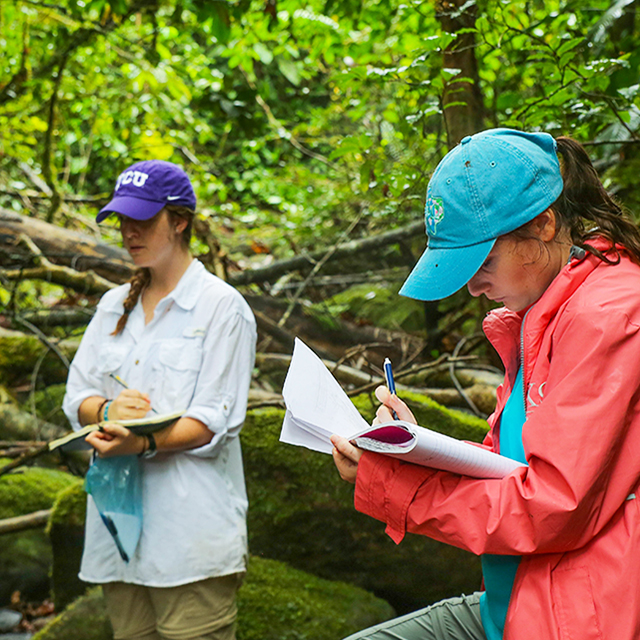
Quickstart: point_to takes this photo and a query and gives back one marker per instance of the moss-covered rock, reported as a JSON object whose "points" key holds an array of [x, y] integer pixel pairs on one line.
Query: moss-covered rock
{"points": [[48, 404], [29, 489], [25, 557], [376, 304], [277, 602], [302, 513], [19, 352], [274, 603], [85, 619], [66, 533]]}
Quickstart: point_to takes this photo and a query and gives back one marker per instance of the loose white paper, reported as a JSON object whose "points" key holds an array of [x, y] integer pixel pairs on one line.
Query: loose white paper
{"points": [[318, 407]]}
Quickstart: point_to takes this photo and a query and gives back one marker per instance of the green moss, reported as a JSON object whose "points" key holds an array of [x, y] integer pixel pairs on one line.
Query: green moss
{"points": [[301, 512], [275, 603], [375, 304], [30, 489], [85, 619], [285, 481], [432, 415], [70, 506], [280, 603], [66, 533], [49, 404]]}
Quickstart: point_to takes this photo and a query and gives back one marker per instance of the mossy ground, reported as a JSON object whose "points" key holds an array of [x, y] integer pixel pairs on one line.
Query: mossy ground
{"points": [[274, 603]]}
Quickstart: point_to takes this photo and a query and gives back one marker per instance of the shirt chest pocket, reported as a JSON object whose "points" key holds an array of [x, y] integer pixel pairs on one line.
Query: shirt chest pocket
{"points": [[176, 370], [110, 359]]}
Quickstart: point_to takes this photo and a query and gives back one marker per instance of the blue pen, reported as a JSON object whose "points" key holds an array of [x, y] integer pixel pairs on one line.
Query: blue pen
{"points": [[391, 384]]}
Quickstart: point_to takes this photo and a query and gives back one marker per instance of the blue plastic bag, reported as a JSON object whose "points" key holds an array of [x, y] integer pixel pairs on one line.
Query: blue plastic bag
{"points": [[115, 484]]}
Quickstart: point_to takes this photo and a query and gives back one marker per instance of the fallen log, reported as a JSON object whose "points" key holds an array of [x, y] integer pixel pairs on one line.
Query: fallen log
{"points": [[306, 261], [28, 521], [62, 246]]}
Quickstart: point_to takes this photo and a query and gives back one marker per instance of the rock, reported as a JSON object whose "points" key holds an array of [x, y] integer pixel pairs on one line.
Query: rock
{"points": [[25, 556], [85, 619], [302, 513], [8, 619], [66, 533], [19, 351], [274, 603]]}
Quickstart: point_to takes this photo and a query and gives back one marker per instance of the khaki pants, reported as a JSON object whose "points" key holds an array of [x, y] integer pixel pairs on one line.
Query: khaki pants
{"points": [[451, 619], [204, 610]]}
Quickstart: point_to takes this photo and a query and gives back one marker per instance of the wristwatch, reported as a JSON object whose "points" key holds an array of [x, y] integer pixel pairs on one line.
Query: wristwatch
{"points": [[152, 449]]}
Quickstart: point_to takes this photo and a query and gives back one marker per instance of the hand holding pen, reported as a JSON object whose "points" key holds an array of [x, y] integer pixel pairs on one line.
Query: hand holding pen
{"points": [[132, 400], [392, 407], [391, 384]]}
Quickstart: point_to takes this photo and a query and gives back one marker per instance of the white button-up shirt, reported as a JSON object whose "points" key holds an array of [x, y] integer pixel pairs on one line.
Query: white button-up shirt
{"points": [[196, 354]]}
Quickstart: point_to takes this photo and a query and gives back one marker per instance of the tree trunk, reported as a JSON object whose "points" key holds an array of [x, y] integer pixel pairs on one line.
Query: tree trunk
{"points": [[462, 99]]}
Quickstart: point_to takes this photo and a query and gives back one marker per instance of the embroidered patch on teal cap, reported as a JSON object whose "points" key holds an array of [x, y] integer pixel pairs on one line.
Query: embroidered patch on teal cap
{"points": [[434, 213]]}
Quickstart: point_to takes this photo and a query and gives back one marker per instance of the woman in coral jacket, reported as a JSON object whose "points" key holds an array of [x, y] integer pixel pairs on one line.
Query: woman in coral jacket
{"points": [[559, 539]]}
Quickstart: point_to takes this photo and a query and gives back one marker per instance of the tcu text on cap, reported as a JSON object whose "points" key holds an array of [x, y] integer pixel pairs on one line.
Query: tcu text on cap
{"points": [[136, 177]]}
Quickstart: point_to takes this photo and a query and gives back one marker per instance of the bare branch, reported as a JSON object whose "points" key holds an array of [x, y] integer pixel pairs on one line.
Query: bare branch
{"points": [[33, 520]]}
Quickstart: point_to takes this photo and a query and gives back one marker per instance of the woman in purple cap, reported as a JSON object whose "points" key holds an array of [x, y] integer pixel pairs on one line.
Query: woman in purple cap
{"points": [[523, 219], [182, 340]]}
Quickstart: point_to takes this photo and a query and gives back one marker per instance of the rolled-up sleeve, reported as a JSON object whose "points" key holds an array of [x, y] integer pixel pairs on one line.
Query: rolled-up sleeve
{"points": [[222, 389]]}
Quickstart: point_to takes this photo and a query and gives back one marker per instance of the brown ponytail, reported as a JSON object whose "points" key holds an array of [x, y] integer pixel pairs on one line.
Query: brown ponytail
{"points": [[141, 278], [587, 210]]}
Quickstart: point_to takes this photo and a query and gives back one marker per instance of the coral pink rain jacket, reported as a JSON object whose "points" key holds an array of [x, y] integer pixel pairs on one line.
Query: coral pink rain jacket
{"points": [[573, 513]]}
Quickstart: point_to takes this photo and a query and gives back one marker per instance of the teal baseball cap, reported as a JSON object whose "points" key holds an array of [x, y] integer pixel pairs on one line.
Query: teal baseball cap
{"points": [[489, 185]]}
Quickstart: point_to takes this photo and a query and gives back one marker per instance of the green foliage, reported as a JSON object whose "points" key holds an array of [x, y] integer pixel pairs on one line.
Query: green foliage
{"points": [[299, 122], [227, 89]]}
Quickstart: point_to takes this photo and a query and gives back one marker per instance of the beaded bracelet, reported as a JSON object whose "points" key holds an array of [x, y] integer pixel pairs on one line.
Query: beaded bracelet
{"points": [[105, 415], [102, 405]]}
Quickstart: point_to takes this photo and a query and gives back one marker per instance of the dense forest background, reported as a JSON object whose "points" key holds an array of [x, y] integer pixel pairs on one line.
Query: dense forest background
{"points": [[309, 131], [303, 126]]}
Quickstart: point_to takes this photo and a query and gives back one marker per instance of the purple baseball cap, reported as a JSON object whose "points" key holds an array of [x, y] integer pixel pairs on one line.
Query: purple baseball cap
{"points": [[146, 187]]}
